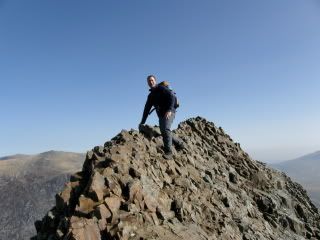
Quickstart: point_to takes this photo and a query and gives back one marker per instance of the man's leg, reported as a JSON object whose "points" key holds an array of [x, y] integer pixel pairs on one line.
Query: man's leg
{"points": [[165, 125]]}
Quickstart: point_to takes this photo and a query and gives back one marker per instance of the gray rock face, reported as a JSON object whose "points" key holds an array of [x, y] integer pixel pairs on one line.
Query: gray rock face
{"points": [[210, 190]]}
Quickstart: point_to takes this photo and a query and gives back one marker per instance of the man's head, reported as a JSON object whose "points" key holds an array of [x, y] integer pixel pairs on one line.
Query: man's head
{"points": [[152, 82]]}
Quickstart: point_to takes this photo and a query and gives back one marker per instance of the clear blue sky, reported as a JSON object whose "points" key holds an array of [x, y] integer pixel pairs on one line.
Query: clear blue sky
{"points": [[72, 73]]}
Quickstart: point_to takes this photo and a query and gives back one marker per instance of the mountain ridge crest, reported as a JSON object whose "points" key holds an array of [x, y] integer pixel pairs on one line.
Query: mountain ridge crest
{"points": [[210, 190]]}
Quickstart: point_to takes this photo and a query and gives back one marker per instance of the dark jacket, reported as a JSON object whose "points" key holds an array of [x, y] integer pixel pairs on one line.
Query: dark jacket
{"points": [[162, 98]]}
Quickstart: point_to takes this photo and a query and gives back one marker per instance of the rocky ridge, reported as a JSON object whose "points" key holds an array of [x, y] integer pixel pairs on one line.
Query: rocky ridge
{"points": [[210, 190]]}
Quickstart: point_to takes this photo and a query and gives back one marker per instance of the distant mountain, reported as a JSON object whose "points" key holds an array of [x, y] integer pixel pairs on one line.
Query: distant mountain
{"points": [[28, 184], [16, 156], [305, 170]]}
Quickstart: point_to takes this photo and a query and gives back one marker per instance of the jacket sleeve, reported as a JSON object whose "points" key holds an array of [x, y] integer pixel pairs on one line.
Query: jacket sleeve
{"points": [[147, 109]]}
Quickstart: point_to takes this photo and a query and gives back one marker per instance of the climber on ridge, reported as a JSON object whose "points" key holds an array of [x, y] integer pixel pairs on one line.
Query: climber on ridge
{"points": [[165, 103]]}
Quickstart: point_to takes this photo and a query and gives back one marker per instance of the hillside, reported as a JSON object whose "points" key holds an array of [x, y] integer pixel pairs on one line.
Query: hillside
{"points": [[305, 170], [28, 184], [210, 190]]}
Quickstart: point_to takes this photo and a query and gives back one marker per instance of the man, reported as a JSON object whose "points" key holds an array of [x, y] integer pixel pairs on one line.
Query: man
{"points": [[163, 99]]}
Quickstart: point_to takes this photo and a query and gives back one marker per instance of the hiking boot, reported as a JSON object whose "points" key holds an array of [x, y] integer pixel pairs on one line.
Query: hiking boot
{"points": [[167, 155]]}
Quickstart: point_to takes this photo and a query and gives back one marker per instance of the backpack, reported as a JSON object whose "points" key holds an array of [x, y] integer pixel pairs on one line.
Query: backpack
{"points": [[176, 101]]}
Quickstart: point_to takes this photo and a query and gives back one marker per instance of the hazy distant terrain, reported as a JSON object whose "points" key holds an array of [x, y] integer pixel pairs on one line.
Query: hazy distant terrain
{"points": [[305, 170], [28, 184]]}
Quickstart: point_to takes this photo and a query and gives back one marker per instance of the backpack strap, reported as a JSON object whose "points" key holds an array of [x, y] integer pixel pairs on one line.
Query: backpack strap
{"points": [[152, 110]]}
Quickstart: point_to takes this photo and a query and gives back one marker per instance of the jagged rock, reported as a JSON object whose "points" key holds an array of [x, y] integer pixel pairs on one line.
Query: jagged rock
{"points": [[265, 204], [233, 177], [149, 131], [76, 177], [210, 190], [113, 184], [102, 212], [85, 206], [63, 198], [296, 225], [113, 204], [99, 150], [96, 187], [83, 229]]}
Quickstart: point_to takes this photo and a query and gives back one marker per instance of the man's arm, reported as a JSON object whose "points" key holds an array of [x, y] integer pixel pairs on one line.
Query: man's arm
{"points": [[147, 109]]}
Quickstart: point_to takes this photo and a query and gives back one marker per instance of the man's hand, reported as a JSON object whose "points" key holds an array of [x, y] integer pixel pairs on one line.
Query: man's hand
{"points": [[168, 114]]}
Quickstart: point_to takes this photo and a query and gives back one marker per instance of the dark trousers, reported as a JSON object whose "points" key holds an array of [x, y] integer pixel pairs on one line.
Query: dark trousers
{"points": [[167, 136]]}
